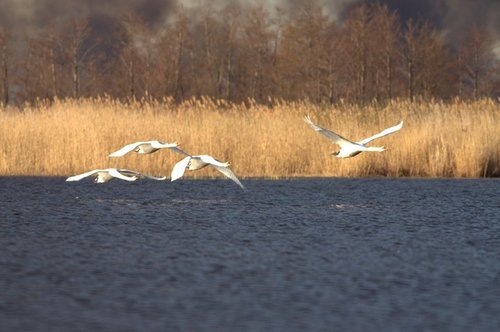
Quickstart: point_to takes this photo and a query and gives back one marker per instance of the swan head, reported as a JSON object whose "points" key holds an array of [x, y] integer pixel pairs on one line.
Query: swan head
{"points": [[336, 153]]}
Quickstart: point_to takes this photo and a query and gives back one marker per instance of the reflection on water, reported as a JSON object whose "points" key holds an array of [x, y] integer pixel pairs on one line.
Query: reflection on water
{"points": [[350, 206], [290, 255]]}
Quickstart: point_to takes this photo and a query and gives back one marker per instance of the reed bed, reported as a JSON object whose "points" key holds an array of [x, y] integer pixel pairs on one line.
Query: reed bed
{"points": [[455, 139]]}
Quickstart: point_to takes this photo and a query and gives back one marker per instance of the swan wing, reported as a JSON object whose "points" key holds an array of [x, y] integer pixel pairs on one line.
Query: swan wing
{"points": [[178, 150], [131, 173], [83, 175], [117, 174], [126, 149], [154, 177], [229, 173], [212, 161], [382, 133], [160, 145], [179, 169], [336, 138]]}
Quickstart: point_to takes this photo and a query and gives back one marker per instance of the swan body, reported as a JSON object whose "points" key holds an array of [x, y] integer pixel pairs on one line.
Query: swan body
{"points": [[145, 147], [194, 163], [108, 174], [349, 148]]}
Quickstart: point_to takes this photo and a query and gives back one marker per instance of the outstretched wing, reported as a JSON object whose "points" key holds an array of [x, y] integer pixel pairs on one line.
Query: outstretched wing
{"points": [[116, 173], [154, 177], [179, 169], [212, 161], [83, 175], [160, 145], [131, 173], [382, 134], [126, 149], [336, 138], [178, 150], [227, 172]]}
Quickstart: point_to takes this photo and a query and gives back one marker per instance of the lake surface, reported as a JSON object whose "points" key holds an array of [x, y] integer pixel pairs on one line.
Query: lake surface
{"points": [[288, 255]]}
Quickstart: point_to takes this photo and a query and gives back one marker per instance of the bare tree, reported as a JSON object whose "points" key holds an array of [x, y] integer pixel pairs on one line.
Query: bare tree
{"points": [[427, 62], [302, 51], [228, 43], [44, 50], [78, 51], [175, 55], [245, 51], [476, 60], [357, 30], [435, 74], [51, 46], [410, 54], [257, 52], [138, 52], [385, 25], [27, 69], [204, 47], [129, 58], [333, 62]]}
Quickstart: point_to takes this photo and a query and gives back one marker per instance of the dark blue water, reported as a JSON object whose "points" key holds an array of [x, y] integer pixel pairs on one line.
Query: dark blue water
{"points": [[299, 255]]}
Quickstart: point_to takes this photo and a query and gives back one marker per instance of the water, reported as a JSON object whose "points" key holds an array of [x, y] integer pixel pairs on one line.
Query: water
{"points": [[298, 255]]}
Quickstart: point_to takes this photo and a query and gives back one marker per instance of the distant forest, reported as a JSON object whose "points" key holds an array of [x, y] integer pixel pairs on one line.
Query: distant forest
{"points": [[248, 53]]}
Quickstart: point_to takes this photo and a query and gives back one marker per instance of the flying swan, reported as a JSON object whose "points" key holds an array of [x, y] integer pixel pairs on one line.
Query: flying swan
{"points": [[194, 163], [108, 174], [143, 148], [347, 147]]}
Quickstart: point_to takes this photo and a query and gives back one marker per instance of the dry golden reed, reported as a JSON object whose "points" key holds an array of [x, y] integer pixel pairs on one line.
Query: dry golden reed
{"points": [[455, 139]]}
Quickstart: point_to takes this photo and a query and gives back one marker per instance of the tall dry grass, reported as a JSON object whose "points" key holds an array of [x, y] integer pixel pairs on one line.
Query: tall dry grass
{"points": [[455, 139]]}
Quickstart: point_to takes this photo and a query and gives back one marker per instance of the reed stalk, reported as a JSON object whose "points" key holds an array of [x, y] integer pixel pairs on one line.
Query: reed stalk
{"points": [[454, 139]]}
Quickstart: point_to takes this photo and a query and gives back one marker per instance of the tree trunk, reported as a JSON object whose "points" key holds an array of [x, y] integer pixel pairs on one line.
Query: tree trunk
{"points": [[53, 79], [5, 76], [76, 78]]}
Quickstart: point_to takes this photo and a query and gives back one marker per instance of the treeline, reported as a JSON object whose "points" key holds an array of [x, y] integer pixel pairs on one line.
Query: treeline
{"points": [[242, 52]]}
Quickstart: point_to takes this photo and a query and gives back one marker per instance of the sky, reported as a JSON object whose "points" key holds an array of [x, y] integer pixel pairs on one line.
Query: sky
{"points": [[452, 17]]}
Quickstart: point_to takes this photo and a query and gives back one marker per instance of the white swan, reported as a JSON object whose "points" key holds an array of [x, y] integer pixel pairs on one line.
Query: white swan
{"points": [[143, 148], [347, 147], [108, 174], [193, 163]]}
